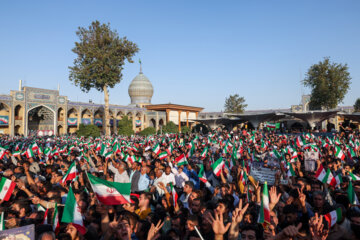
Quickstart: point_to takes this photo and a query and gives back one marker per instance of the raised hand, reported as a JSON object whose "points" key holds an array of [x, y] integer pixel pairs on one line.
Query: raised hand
{"points": [[154, 230], [274, 197], [217, 224], [317, 228], [238, 213]]}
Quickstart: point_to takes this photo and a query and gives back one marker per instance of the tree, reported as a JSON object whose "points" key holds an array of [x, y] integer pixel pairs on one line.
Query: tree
{"points": [[329, 83], [101, 55], [185, 129], [235, 104], [125, 127], [357, 105], [88, 131], [170, 127], [148, 131]]}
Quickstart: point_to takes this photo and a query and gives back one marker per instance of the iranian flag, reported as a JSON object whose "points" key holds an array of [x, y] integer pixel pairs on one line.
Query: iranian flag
{"points": [[72, 213], [163, 155], [339, 153], [333, 217], [352, 195], [202, 175], [264, 216], [156, 149], [15, 154], [6, 188], [55, 220], [204, 152], [2, 152], [45, 220], [108, 155], [173, 194], [291, 172], [70, 174], [218, 166], [29, 153], [181, 160], [129, 158], [300, 141], [324, 176], [34, 147], [353, 176], [110, 193], [103, 150]]}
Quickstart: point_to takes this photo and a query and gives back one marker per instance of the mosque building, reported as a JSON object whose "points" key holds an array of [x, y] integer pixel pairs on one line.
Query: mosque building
{"points": [[30, 111]]}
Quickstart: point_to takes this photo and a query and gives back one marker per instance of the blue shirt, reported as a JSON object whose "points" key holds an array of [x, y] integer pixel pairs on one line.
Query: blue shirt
{"points": [[143, 182]]}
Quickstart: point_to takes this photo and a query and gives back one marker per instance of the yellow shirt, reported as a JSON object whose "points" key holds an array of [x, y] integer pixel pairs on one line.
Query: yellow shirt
{"points": [[142, 215]]}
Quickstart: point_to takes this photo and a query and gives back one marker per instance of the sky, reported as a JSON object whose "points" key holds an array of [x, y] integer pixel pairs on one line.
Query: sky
{"points": [[195, 53]]}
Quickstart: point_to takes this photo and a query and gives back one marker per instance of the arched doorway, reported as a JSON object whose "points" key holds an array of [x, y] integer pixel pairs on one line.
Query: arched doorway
{"points": [[138, 122], [86, 117], [4, 119], [72, 120], [98, 119], [61, 114], [152, 123], [19, 112], [41, 119], [17, 130], [60, 130]]}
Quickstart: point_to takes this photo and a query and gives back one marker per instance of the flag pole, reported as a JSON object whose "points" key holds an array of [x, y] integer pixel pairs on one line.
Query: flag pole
{"points": [[198, 232]]}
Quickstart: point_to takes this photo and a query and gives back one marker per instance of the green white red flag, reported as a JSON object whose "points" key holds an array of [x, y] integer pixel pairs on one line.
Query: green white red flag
{"points": [[72, 213], [29, 153], [339, 153], [6, 188], [202, 175], [156, 149], [2, 152], [352, 195], [163, 155], [218, 166], [333, 217], [181, 160], [110, 193], [173, 194], [204, 152], [70, 174], [264, 216], [55, 220]]}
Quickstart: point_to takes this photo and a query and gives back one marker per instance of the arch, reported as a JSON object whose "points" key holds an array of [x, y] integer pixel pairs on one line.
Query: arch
{"points": [[130, 115], [19, 112], [5, 118], [161, 122], [152, 123], [60, 130], [61, 114], [120, 115], [72, 113], [99, 113], [86, 113], [40, 117], [18, 130]]}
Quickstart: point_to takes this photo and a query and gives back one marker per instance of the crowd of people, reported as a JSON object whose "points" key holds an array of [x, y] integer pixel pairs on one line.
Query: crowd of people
{"points": [[183, 186]]}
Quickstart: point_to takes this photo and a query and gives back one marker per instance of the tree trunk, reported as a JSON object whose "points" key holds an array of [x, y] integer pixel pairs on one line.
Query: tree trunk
{"points": [[106, 113]]}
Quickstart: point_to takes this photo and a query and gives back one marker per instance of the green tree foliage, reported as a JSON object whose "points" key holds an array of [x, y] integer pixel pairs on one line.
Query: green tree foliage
{"points": [[357, 105], [235, 104], [101, 55], [125, 127], [185, 129], [170, 127], [148, 131], [200, 127], [329, 83], [88, 131]]}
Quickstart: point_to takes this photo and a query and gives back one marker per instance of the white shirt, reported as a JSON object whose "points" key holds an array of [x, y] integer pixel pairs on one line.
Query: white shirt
{"points": [[169, 178], [158, 189], [119, 177]]}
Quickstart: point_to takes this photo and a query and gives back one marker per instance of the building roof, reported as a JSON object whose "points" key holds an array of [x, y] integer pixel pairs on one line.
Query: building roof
{"points": [[170, 106]]}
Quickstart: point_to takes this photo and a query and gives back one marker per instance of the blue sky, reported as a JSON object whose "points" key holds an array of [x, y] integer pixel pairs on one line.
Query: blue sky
{"points": [[194, 52]]}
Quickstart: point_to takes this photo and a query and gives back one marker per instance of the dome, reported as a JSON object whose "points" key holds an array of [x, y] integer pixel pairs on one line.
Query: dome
{"points": [[141, 90]]}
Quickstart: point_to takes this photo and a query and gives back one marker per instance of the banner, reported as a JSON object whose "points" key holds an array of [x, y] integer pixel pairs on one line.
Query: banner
{"points": [[4, 120], [98, 122], [72, 121], [111, 121], [86, 121], [23, 233], [310, 160], [271, 126], [138, 123]]}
